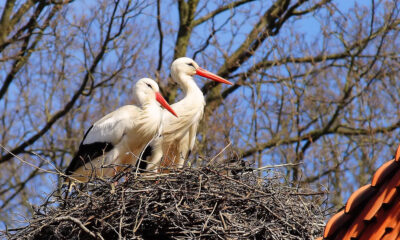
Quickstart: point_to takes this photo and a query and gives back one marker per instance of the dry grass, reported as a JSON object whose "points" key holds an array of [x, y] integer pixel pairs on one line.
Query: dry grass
{"points": [[186, 204]]}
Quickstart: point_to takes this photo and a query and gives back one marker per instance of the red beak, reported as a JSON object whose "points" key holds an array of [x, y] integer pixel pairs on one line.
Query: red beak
{"points": [[164, 103], [204, 73]]}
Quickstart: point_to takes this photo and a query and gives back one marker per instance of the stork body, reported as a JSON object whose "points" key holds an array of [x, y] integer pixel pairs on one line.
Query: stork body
{"points": [[179, 135], [120, 136]]}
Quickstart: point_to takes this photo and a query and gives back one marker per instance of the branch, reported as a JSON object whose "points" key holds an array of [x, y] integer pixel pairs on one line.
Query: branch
{"points": [[19, 149], [186, 17], [311, 9], [211, 35], [268, 25], [220, 10], [160, 32], [80, 224], [19, 187], [7, 23], [308, 59], [339, 130], [26, 51]]}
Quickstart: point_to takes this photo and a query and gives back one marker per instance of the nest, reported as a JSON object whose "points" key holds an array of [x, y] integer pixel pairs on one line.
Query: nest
{"points": [[204, 203]]}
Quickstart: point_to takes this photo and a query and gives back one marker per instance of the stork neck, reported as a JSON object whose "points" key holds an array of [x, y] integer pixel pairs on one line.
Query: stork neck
{"points": [[188, 84]]}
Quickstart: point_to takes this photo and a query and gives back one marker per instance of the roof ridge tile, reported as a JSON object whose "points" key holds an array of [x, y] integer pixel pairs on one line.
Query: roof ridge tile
{"points": [[373, 210]]}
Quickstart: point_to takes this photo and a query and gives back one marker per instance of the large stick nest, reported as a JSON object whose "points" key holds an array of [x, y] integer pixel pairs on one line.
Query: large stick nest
{"points": [[202, 203]]}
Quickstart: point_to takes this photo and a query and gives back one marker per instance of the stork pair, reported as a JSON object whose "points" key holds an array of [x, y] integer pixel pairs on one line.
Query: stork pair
{"points": [[144, 132]]}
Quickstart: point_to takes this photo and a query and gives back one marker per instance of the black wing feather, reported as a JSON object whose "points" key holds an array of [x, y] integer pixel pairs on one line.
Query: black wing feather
{"points": [[87, 152], [142, 165]]}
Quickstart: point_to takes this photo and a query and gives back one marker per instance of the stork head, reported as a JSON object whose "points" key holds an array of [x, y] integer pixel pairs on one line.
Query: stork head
{"points": [[146, 91], [187, 66]]}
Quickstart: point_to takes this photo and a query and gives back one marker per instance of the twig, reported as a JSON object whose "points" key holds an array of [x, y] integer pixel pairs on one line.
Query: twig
{"points": [[223, 220], [28, 163], [212, 160], [278, 166], [137, 224], [208, 218], [79, 223], [200, 179]]}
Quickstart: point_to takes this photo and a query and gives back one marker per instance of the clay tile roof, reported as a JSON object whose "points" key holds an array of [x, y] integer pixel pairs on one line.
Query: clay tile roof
{"points": [[372, 211]]}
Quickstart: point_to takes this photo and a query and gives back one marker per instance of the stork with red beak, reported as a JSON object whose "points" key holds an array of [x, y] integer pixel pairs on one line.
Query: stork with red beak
{"points": [[120, 136], [179, 135]]}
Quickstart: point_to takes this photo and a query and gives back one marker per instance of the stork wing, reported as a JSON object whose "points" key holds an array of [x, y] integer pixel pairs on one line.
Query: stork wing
{"points": [[102, 136], [192, 139], [186, 145]]}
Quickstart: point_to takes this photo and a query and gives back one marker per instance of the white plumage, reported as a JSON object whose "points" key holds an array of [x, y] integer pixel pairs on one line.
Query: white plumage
{"points": [[121, 136], [179, 135]]}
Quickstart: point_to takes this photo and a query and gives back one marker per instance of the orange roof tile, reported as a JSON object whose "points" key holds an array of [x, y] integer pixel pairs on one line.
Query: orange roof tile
{"points": [[373, 211]]}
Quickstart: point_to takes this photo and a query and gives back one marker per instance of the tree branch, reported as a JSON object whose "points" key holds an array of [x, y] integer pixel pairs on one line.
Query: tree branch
{"points": [[160, 32], [315, 134], [7, 23], [26, 51], [210, 101], [220, 10], [77, 94]]}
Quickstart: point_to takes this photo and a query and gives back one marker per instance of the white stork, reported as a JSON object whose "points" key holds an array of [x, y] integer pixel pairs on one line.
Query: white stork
{"points": [[120, 136], [179, 135]]}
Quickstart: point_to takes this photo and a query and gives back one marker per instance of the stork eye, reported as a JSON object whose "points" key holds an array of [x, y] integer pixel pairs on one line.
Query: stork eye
{"points": [[190, 64], [149, 85]]}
